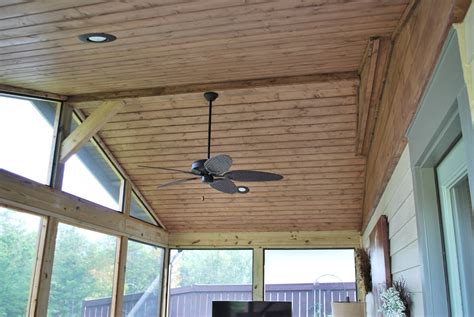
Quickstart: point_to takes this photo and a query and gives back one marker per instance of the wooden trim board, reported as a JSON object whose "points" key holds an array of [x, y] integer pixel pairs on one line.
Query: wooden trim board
{"points": [[294, 239]]}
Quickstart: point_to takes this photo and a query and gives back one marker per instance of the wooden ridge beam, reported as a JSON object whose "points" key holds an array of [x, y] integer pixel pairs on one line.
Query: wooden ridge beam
{"points": [[219, 86], [89, 128]]}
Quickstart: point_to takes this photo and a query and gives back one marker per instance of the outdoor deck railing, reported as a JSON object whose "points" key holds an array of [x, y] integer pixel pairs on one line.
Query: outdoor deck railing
{"points": [[309, 300]]}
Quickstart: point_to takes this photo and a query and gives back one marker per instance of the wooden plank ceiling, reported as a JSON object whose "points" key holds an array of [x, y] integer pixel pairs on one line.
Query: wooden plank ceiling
{"points": [[176, 42], [305, 131]]}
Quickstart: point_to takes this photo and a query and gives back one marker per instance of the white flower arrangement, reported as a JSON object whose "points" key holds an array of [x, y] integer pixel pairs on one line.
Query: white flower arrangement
{"points": [[392, 305]]}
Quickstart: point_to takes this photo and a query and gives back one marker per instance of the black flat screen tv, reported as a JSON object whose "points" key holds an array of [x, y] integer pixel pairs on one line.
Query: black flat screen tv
{"points": [[251, 309]]}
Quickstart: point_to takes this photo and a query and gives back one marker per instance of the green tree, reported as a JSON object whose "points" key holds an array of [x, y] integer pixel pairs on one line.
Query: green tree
{"points": [[83, 269], [17, 257], [72, 280], [212, 267], [144, 265]]}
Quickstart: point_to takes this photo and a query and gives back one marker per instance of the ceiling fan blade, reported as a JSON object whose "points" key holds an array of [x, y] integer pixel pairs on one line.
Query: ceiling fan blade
{"points": [[179, 181], [167, 169], [219, 164], [224, 185], [252, 176]]}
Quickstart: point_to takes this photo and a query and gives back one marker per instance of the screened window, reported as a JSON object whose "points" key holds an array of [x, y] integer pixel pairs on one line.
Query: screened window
{"points": [[89, 174], [138, 210], [143, 278], [26, 136], [83, 269], [199, 277], [19, 234], [310, 279]]}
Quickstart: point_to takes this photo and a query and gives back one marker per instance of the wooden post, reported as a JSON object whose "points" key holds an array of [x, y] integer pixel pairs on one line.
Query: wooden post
{"points": [[121, 255], [62, 129], [126, 197], [38, 305], [39, 295], [119, 277], [165, 284], [258, 274]]}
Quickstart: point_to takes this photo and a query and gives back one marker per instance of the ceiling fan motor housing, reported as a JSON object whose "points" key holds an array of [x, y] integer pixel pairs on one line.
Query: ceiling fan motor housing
{"points": [[198, 167], [207, 179]]}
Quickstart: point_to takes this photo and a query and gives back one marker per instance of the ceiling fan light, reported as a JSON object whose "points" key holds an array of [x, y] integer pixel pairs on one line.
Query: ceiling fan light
{"points": [[243, 189]]}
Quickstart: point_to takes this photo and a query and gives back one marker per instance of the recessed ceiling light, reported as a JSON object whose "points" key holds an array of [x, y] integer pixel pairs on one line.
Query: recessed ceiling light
{"points": [[243, 189], [97, 37]]}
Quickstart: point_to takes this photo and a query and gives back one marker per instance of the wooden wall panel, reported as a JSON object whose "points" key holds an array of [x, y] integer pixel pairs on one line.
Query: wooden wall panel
{"points": [[415, 53]]}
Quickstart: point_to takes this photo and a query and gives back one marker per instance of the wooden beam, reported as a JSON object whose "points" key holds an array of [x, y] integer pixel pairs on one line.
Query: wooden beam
{"points": [[373, 71], [404, 18], [292, 239], [258, 283], [31, 93], [218, 86], [89, 128], [20, 192], [460, 10]]}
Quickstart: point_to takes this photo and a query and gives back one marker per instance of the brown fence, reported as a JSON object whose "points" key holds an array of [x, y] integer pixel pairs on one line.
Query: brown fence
{"points": [[309, 300]]}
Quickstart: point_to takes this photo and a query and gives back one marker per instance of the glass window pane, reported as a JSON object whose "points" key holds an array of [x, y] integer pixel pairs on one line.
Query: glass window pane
{"points": [[82, 272], [311, 279], [19, 234], [142, 289], [199, 277], [88, 174], [26, 136], [137, 210]]}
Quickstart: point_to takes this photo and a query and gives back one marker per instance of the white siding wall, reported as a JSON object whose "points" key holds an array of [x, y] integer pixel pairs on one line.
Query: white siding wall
{"points": [[398, 204]]}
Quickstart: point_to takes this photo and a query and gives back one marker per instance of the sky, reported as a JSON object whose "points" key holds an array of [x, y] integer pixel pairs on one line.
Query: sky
{"points": [[309, 266], [28, 154]]}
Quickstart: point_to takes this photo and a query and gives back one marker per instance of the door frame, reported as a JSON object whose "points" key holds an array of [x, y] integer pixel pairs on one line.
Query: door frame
{"points": [[443, 116]]}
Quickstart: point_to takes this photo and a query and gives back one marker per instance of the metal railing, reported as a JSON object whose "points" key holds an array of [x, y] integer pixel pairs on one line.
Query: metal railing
{"points": [[309, 300]]}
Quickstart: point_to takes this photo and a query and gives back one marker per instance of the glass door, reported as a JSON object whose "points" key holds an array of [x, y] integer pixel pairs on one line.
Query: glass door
{"points": [[457, 221]]}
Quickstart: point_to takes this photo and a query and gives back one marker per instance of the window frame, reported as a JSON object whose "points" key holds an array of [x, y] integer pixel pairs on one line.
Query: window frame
{"points": [[54, 142]]}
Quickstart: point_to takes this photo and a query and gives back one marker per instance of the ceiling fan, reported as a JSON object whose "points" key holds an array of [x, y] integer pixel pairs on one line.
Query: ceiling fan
{"points": [[214, 171]]}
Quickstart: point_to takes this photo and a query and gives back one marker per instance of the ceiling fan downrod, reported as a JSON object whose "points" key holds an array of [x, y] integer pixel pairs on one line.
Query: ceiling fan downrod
{"points": [[210, 97]]}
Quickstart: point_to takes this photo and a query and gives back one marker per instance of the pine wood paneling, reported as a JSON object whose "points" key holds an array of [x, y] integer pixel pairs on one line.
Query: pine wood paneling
{"points": [[169, 43]]}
